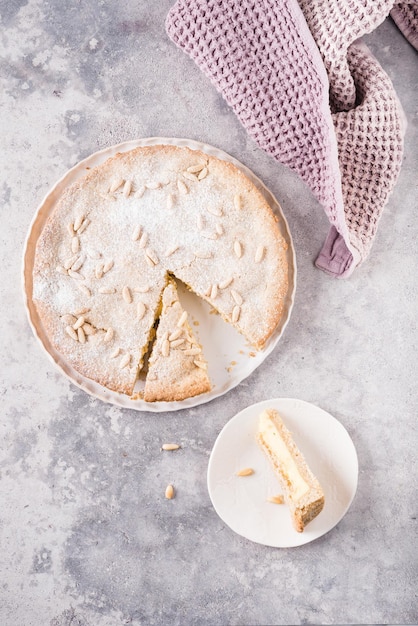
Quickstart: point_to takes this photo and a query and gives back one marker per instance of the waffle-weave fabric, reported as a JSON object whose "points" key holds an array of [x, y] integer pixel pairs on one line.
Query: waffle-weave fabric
{"points": [[309, 95], [405, 16], [335, 25]]}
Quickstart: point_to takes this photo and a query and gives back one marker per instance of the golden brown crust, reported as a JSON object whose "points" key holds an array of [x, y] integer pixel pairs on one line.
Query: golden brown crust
{"points": [[210, 227]]}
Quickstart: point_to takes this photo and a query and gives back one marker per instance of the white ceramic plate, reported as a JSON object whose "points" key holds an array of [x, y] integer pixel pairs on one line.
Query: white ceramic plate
{"points": [[241, 502], [230, 358]]}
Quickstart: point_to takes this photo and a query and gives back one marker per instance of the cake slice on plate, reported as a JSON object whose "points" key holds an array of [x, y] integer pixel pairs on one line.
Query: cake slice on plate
{"points": [[176, 367], [301, 489]]}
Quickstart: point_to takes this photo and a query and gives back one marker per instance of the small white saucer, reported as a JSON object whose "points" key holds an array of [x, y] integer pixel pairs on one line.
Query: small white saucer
{"points": [[241, 502]]}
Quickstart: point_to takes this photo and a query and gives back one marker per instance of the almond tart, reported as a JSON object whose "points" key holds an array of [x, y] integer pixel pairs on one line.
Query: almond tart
{"points": [[105, 254]]}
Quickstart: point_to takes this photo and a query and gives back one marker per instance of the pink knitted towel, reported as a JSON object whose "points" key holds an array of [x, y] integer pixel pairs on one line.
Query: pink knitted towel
{"points": [[311, 96]]}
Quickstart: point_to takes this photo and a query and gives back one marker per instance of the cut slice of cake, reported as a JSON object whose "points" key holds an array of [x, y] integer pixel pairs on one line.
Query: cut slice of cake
{"points": [[176, 367], [302, 492]]}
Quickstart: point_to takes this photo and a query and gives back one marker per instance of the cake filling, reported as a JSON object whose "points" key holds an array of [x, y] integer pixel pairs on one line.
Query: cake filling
{"points": [[273, 440]]}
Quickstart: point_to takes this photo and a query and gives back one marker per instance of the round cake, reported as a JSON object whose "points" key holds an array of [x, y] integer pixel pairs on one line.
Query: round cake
{"points": [[117, 235]]}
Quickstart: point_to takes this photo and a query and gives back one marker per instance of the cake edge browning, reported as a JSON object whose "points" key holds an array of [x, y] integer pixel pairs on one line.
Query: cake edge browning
{"points": [[310, 504]]}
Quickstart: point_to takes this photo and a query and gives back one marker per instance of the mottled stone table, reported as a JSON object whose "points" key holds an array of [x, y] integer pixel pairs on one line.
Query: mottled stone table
{"points": [[86, 536]]}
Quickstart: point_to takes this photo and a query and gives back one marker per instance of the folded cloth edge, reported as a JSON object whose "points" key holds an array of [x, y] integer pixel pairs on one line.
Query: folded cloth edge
{"points": [[335, 259], [405, 16]]}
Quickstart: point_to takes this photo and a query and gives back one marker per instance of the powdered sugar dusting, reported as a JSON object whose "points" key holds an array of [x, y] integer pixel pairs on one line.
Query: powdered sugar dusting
{"points": [[200, 255]]}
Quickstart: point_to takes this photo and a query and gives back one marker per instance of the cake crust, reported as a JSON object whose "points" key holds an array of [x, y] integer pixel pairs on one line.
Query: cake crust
{"points": [[114, 237]]}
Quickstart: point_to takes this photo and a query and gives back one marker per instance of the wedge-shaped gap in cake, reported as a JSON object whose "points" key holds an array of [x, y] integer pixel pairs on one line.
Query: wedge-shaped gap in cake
{"points": [[205, 315]]}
